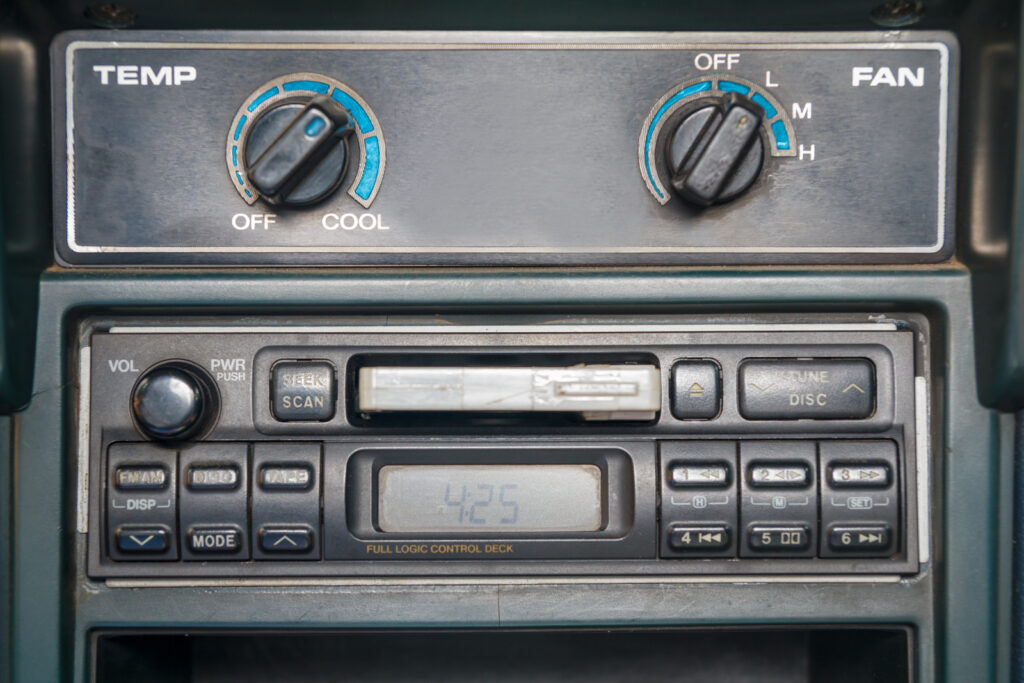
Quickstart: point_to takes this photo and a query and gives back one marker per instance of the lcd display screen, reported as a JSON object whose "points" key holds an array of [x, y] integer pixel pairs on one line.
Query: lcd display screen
{"points": [[489, 498]]}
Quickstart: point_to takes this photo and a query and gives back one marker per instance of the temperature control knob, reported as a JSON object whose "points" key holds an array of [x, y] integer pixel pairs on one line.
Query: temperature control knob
{"points": [[296, 152], [715, 153], [174, 401]]}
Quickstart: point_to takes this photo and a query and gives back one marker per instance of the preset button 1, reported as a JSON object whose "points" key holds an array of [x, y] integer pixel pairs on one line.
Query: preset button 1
{"points": [[699, 475]]}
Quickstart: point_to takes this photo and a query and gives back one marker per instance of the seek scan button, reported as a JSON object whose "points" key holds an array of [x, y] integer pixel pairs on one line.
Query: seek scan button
{"points": [[302, 391]]}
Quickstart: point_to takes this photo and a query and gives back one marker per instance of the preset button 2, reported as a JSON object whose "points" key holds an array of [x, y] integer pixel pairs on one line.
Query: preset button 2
{"points": [[778, 475]]}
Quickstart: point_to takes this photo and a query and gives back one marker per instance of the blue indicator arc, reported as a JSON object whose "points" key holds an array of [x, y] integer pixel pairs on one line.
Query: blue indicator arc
{"points": [[762, 101], [312, 86], [262, 98], [362, 119], [685, 92], [371, 166], [729, 86], [781, 135], [241, 124]]}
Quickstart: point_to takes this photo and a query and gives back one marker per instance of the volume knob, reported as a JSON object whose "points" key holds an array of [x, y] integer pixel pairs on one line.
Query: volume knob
{"points": [[715, 153], [173, 401]]}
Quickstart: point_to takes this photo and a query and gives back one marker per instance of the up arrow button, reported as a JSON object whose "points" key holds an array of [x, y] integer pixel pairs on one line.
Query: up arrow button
{"points": [[290, 539]]}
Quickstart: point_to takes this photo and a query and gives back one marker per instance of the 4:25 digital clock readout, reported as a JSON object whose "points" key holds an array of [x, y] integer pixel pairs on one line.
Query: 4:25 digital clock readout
{"points": [[488, 498]]}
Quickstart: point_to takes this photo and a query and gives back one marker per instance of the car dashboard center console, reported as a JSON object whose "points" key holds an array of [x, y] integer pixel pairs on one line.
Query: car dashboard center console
{"points": [[492, 350]]}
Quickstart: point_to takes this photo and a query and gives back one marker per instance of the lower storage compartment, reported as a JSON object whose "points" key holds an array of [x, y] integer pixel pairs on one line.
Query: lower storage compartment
{"points": [[727, 655]]}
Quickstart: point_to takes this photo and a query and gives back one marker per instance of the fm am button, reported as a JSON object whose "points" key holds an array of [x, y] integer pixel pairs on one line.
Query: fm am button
{"points": [[303, 391], [141, 478], [817, 389]]}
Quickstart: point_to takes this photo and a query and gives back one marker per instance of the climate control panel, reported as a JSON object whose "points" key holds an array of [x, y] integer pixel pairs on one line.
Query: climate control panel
{"points": [[503, 148], [344, 448]]}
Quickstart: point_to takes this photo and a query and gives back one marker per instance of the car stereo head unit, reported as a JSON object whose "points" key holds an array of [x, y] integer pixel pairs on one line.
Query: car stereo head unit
{"points": [[349, 449]]}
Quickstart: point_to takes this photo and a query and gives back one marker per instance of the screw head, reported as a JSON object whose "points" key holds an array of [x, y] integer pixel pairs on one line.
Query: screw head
{"points": [[110, 15], [898, 13]]}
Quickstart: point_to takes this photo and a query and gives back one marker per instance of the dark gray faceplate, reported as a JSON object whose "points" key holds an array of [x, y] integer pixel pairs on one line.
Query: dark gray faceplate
{"points": [[508, 149], [626, 546]]}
